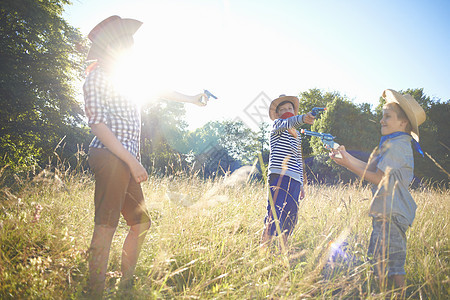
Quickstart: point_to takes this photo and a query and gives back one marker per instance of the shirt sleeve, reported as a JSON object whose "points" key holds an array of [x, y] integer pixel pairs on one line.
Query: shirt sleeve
{"points": [[284, 124], [95, 98]]}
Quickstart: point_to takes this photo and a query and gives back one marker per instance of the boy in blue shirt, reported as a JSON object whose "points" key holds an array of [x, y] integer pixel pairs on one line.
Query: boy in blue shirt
{"points": [[393, 208], [285, 167]]}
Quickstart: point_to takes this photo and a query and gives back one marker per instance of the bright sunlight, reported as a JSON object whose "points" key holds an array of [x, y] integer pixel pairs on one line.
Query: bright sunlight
{"points": [[188, 50], [164, 58]]}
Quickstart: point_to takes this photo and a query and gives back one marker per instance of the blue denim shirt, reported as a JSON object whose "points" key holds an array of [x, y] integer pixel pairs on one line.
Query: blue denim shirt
{"points": [[392, 196]]}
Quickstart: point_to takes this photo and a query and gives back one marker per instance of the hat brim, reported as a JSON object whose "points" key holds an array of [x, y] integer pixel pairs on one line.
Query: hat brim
{"points": [[392, 96], [273, 106], [110, 29]]}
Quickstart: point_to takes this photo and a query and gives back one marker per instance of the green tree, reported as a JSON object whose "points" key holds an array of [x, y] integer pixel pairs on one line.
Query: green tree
{"points": [[41, 58], [227, 143], [163, 145], [315, 98], [240, 142], [352, 126], [201, 139], [308, 100], [263, 137]]}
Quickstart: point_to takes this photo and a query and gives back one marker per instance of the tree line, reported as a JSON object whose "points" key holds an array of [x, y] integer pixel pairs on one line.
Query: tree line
{"points": [[42, 123]]}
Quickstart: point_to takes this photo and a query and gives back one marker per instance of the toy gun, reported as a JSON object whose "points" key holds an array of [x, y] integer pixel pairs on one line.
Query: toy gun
{"points": [[316, 110], [327, 140], [209, 94]]}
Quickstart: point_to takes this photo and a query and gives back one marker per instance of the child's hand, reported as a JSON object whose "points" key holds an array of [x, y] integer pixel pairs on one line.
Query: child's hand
{"points": [[339, 155], [200, 99], [308, 118], [138, 172]]}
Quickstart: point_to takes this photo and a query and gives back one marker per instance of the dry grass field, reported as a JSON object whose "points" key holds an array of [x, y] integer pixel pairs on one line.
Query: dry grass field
{"points": [[204, 243]]}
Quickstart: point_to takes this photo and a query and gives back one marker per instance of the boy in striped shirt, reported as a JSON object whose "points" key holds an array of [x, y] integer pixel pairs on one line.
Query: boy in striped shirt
{"points": [[285, 167]]}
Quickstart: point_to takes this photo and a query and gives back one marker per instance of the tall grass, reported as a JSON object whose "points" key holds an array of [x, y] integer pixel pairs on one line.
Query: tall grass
{"points": [[204, 242]]}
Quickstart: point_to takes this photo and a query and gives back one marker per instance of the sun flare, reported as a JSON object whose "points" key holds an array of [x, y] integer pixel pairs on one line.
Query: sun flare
{"points": [[160, 60]]}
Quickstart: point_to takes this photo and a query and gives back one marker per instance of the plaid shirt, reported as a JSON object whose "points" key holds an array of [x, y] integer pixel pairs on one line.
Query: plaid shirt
{"points": [[103, 104]]}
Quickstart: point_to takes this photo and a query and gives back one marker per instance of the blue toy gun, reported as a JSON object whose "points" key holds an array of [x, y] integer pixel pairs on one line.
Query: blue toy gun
{"points": [[327, 140], [209, 94], [316, 110]]}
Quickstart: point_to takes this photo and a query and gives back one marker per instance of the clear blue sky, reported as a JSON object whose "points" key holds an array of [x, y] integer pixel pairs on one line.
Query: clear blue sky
{"points": [[238, 49]]}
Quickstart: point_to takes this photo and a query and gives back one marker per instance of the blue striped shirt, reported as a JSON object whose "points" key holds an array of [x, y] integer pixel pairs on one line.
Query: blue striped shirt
{"points": [[286, 150]]}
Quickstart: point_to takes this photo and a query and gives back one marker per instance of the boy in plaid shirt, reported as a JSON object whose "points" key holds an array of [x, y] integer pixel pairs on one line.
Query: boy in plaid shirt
{"points": [[114, 152]]}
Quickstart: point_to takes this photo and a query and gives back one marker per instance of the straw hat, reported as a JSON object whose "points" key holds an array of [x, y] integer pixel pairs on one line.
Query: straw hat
{"points": [[273, 106], [415, 113], [111, 29]]}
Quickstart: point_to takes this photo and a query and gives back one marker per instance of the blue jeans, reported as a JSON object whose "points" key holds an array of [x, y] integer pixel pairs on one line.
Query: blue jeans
{"points": [[285, 193], [387, 245]]}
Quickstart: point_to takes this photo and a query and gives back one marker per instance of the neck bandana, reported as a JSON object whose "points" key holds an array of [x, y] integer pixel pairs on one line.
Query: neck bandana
{"points": [[292, 131], [399, 133]]}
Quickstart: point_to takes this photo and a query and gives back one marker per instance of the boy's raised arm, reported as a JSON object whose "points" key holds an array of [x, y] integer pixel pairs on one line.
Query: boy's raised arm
{"points": [[199, 99]]}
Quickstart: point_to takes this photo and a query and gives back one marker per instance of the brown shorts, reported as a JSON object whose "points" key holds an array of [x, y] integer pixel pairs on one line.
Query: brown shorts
{"points": [[115, 190]]}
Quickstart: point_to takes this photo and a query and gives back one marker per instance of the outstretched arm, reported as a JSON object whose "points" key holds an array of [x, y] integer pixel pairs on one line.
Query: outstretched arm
{"points": [[308, 118], [357, 166], [111, 142], [199, 99], [292, 122]]}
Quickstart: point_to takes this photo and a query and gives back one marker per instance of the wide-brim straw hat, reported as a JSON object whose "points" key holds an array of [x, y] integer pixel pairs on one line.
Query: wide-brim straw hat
{"points": [[274, 104], [111, 29], [415, 113]]}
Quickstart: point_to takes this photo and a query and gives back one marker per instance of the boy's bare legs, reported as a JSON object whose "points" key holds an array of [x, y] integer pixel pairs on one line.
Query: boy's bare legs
{"points": [[99, 254], [98, 260], [131, 249]]}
